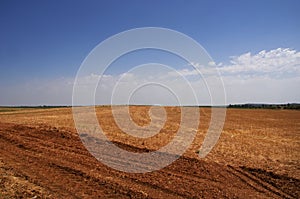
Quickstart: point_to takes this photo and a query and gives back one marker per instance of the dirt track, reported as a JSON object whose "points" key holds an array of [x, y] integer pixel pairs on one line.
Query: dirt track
{"points": [[45, 161]]}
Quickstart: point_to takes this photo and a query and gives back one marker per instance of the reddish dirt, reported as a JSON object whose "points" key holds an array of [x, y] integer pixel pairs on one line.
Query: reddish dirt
{"points": [[42, 159]]}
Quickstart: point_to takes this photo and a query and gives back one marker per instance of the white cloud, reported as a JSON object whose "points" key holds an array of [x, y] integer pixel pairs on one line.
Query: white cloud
{"points": [[268, 76], [183, 72], [277, 63]]}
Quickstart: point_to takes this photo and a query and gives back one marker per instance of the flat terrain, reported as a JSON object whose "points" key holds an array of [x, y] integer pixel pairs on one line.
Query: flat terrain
{"points": [[257, 156]]}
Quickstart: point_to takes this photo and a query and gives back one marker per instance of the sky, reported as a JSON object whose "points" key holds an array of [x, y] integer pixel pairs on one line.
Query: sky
{"points": [[255, 46]]}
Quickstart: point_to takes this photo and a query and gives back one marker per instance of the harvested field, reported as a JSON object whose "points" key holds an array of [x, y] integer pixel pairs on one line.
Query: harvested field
{"points": [[257, 156]]}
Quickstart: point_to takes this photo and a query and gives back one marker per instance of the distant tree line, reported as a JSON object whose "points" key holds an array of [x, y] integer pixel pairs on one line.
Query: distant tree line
{"points": [[266, 106], [38, 107]]}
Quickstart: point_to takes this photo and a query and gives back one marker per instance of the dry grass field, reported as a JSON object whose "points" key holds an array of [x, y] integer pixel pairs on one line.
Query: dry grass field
{"points": [[257, 156]]}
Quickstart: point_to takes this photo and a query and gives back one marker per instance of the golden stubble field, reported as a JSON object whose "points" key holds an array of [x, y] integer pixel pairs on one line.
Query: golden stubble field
{"points": [[258, 150]]}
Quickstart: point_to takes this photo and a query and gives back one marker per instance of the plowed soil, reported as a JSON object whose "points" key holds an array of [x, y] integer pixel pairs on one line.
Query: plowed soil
{"points": [[257, 156]]}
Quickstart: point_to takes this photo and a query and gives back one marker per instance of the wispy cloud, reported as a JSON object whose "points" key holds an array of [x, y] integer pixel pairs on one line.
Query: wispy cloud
{"points": [[277, 63], [268, 76]]}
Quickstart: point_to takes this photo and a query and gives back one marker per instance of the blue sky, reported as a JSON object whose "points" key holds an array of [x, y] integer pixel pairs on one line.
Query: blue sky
{"points": [[47, 40]]}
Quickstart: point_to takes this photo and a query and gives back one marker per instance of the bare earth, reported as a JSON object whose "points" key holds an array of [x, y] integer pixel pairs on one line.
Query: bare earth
{"points": [[257, 156]]}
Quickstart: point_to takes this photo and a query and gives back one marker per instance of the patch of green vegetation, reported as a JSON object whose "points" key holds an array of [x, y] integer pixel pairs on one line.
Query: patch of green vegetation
{"points": [[294, 106]]}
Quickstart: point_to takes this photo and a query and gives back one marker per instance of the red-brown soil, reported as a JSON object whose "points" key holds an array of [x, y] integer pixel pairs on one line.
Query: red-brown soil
{"points": [[257, 156]]}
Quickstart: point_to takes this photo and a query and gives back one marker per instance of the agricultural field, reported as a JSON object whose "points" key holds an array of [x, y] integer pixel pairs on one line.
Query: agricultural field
{"points": [[257, 156]]}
